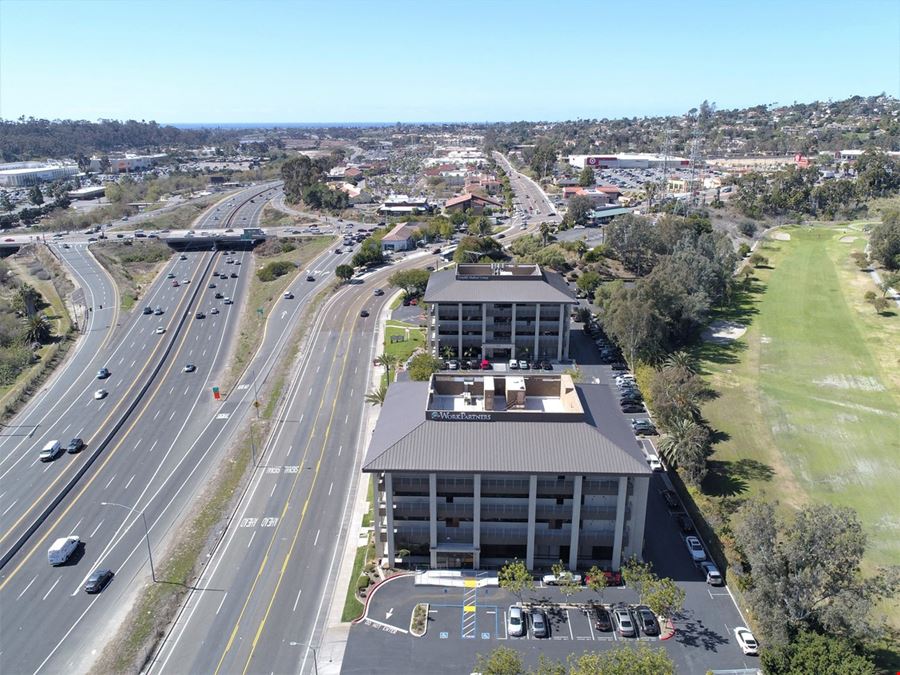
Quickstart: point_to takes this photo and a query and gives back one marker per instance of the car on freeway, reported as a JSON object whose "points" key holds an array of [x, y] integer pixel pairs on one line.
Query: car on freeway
{"points": [[647, 621], [98, 581], [170, 275], [622, 621], [185, 281], [100, 394], [189, 368], [158, 311], [214, 310], [211, 285], [237, 262], [199, 315], [364, 313], [695, 548], [147, 310], [515, 622], [602, 622], [310, 277], [234, 275], [218, 295], [50, 451], [159, 330], [378, 291], [103, 373], [746, 641], [539, 626], [175, 283], [228, 301], [713, 575], [182, 257], [553, 580], [75, 445]]}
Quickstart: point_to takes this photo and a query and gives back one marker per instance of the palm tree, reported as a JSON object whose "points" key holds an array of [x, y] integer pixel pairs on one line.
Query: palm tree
{"points": [[685, 446], [26, 300], [377, 396], [545, 233], [388, 361], [37, 329], [682, 360], [651, 190]]}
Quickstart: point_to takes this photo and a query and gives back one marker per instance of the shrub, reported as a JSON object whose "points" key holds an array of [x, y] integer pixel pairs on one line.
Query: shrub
{"points": [[363, 582], [747, 228], [743, 250], [13, 360], [274, 269]]}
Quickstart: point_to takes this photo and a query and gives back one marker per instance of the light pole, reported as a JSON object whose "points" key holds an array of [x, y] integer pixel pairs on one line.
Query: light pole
{"points": [[146, 533]]}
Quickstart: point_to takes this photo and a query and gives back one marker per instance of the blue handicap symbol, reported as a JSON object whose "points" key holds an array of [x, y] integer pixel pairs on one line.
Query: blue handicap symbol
{"points": [[444, 635], [485, 636]]}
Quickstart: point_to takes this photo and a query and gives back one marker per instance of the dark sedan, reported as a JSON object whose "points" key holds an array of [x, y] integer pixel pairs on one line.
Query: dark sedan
{"points": [[602, 622], [75, 445], [98, 580]]}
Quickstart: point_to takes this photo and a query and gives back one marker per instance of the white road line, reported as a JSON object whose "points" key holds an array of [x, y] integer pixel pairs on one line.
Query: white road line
{"points": [[172, 415], [133, 362], [316, 542], [569, 622], [153, 446], [346, 418], [91, 535], [27, 587], [204, 353], [9, 507], [171, 391], [186, 390], [340, 447], [111, 480], [75, 529], [251, 538], [310, 391], [137, 443], [273, 489], [319, 367], [123, 358], [301, 418], [129, 481], [63, 433], [156, 414], [351, 393], [330, 487], [51, 588], [299, 591], [221, 603]]}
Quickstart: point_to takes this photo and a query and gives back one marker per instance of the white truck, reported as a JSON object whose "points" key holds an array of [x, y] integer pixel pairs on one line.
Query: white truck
{"points": [[62, 549]]}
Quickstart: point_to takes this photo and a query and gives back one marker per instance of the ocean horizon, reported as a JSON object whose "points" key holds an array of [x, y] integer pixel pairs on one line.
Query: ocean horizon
{"points": [[287, 125]]}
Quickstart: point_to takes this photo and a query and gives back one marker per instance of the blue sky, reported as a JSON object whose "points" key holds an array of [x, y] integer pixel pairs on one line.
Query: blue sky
{"points": [[434, 60]]}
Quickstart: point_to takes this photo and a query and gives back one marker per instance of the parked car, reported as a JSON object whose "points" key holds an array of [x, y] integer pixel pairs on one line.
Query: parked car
{"points": [[513, 364], [622, 621], [524, 365], [685, 524], [553, 580], [539, 624], [632, 408], [602, 622], [647, 621], [515, 621], [546, 365], [746, 641], [670, 498], [695, 548], [452, 364], [713, 576], [98, 581]]}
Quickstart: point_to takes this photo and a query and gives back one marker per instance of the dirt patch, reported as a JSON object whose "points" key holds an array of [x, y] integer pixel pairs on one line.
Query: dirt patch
{"points": [[781, 236], [850, 382], [721, 331]]}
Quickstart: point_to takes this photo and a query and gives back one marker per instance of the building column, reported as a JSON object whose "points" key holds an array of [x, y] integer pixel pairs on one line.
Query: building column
{"points": [[537, 329], [483, 328], [389, 515], [638, 516], [568, 328], [435, 325], [512, 334], [432, 517], [378, 523], [476, 521], [459, 327], [563, 322], [620, 522], [576, 524], [532, 509]]}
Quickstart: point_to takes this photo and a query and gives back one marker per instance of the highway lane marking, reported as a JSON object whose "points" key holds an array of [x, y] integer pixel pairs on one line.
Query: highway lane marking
{"points": [[121, 360], [275, 485], [186, 390], [156, 414], [91, 535], [39, 500], [172, 390], [316, 542], [346, 418], [137, 443], [63, 432], [58, 579], [129, 482], [9, 507], [251, 538], [221, 603], [111, 480], [299, 591], [340, 447], [19, 597], [153, 446], [75, 529], [329, 488], [133, 362]]}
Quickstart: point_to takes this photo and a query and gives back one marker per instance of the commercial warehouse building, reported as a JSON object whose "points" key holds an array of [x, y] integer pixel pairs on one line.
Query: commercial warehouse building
{"points": [[627, 161], [474, 470], [498, 311], [127, 162]]}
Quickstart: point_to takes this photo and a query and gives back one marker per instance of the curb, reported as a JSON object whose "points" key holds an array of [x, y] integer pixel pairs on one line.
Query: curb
{"points": [[73, 481], [365, 614], [412, 631]]}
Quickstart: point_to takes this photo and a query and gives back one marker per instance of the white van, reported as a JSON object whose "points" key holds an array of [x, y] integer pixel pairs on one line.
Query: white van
{"points": [[62, 549], [50, 451]]}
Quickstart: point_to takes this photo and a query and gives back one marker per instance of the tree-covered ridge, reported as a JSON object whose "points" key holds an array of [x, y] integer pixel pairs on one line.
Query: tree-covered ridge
{"points": [[25, 139]]}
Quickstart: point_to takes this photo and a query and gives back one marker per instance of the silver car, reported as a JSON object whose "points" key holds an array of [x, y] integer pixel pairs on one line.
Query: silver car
{"points": [[515, 621], [539, 624]]}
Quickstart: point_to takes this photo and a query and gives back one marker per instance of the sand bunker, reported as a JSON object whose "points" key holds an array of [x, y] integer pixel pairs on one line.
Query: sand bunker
{"points": [[723, 331], [848, 239], [781, 236]]}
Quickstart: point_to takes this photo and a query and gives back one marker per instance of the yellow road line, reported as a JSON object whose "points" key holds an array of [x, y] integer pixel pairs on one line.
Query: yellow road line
{"points": [[110, 454]]}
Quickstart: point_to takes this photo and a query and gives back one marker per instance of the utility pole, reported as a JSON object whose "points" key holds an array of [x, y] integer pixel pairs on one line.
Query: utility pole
{"points": [[146, 533]]}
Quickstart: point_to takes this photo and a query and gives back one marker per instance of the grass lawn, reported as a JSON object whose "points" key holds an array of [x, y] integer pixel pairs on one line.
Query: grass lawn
{"points": [[412, 336], [809, 397]]}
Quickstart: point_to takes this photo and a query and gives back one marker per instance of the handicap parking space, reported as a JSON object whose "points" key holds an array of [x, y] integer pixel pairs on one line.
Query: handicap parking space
{"points": [[466, 622]]}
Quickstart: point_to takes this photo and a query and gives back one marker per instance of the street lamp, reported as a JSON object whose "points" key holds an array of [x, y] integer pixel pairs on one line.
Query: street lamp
{"points": [[146, 533]]}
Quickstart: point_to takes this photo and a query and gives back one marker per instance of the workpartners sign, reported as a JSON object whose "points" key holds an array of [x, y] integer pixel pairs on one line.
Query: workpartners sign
{"points": [[448, 416]]}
